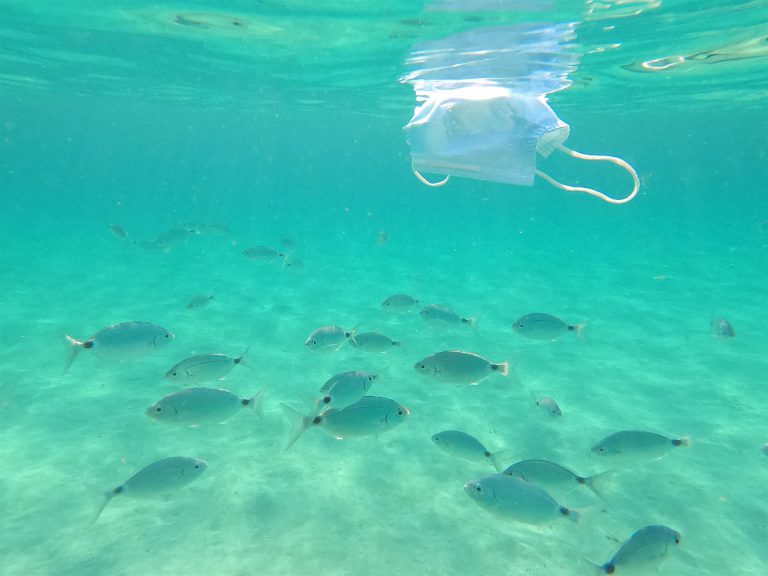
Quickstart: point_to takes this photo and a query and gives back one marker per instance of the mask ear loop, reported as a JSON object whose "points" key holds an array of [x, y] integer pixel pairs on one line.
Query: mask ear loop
{"points": [[427, 182], [612, 159]]}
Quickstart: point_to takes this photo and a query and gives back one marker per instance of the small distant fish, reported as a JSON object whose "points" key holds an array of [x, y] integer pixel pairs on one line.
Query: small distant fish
{"points": [[174, 237], [328, 338], [549, 406], [296, 264], [632, 444], [118, 231], [382, 237], [464, 446], [205, 367], [459, 367], [122, 342], [372, 342], [200, 301], [399, 303], [195, 406], [263, 254], [343, 389], [722, 328], [643, 552], [552, 476], [440, 315], [369, 415], [540, 326], [518, 500], [157, 478]]}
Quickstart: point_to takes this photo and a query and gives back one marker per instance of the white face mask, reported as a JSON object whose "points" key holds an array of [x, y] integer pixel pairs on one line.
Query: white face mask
{"points": [[486, 114]]}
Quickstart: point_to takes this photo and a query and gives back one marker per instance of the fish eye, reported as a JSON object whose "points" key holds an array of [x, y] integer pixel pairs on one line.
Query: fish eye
{"points": [[158, 409], [314, 342], [197, 466], [174, 373], [399, 412], [326, 400], [478, 489], [422, 366]]}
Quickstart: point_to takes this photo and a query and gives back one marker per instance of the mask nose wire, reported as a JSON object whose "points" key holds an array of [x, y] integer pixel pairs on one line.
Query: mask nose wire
{"points": [[600, 158], [427, 182]]}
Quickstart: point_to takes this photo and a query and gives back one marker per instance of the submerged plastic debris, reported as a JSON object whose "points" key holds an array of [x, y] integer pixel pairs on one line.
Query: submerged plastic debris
{"points": [[485, 113]]}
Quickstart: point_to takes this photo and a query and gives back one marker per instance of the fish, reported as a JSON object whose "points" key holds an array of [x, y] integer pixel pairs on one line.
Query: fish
{"points": [[206, 228], [368, 416], [518, 500], [157, 478], [263, 254], [549, 406], [399, 303], [630, 444], [174, 237], [440, 315], [118, 231], [200, 301], [382, 237], [328, 338], [196, 406], [455, 366], [541, 326], [722, 328], [205, 367], [643, 552], [344, 388], [372, 342], [464, 446], [552, 476], [121, 342]]}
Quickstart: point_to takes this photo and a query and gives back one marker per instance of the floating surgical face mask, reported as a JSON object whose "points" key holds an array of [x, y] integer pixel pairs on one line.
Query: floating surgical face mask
{"points": [[485, 113]]}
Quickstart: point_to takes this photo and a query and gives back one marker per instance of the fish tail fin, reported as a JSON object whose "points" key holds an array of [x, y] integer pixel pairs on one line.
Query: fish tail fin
{"points": [[255, 402], [103, 504], [74, 348], [502, 368], [496, 460], [243, 360], [578, 328], [298, 422], [597, 483], [683, 442]]}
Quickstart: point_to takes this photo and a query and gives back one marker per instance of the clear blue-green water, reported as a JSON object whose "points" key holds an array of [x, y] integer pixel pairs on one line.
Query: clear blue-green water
{"points": [[284, 120]]}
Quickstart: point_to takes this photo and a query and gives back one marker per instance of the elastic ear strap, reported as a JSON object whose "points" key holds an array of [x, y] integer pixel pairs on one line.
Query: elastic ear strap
{"points": [[595, 157], [427, 182]]}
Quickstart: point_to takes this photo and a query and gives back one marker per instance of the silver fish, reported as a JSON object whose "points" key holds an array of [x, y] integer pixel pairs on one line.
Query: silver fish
{"points": [[643, 552], [263, 254], [196, 406], [369, 415], [372, 342], [174, 237], [459, 367], [399, 303], [200, 301], [122, 342], [205, 367], [552, 476], [549, 406], [631, 444], [464, 446], [516, 499], [328, 338], [541, 326], [722, 328], [440, 315], [157, 478], [343, 389]]}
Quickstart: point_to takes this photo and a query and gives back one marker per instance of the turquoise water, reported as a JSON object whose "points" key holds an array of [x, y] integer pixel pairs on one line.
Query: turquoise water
{"points": [[284, 120]]}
